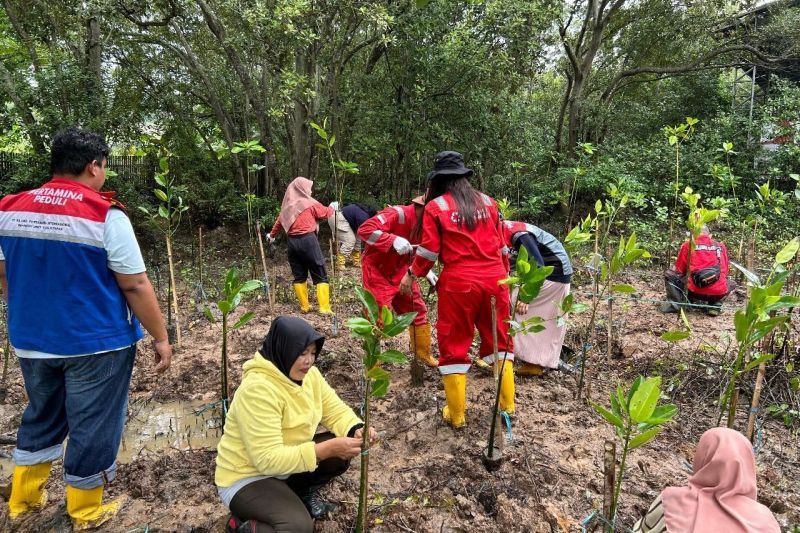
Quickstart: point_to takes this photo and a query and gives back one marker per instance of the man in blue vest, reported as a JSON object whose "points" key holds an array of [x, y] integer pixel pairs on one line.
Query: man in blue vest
{"points": [[75, 281]]}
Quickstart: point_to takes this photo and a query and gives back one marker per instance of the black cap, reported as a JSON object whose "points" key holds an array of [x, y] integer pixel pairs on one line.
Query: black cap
{"points": [[449, 165]]}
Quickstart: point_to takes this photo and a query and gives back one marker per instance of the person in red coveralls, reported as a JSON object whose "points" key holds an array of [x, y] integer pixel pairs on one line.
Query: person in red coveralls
{"points": [[708, 280], [388, 239], [299, 215], [461, 228]]}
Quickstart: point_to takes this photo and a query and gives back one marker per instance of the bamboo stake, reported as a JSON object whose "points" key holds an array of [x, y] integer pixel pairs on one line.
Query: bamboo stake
{"points": [[174, 292], [610, 330], [751, 420], [200, 255], [264, 266]]}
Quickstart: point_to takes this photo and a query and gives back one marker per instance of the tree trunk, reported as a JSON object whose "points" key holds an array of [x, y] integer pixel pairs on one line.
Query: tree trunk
{"points": [[94, 65]]}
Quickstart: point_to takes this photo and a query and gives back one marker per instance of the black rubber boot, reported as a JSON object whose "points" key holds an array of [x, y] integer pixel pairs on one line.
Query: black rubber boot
{"points": [[317, 507]]}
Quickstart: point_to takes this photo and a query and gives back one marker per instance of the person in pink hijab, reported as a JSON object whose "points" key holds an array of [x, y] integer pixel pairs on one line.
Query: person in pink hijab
{"points": [[299, 215], [720, 495]]}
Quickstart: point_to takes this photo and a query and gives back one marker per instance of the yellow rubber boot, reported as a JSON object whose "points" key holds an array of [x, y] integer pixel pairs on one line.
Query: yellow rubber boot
{"points": [[340, 262], [455, 391], [421, 344], [27, 489], [324, 298], [356, 257], [301, 290], [507, 388], [530, 369], [86, 509]]}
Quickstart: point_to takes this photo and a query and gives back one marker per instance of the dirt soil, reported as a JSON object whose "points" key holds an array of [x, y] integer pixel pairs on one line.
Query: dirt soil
{"points": [[424, 476]]}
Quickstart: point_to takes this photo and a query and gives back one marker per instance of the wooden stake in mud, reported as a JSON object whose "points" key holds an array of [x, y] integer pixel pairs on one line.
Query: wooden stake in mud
{"points": [[200, 256], [174, 292], [609, 476], [264, 266], [751, 419]]}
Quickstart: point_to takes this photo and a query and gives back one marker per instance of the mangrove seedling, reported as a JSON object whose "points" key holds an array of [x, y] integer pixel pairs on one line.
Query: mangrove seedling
{"points": [[677, 135], [756, 321], [525, 283], [637, 419], [249, 149], [346, 167], [167, 218], [378, 325], [232, 293]]}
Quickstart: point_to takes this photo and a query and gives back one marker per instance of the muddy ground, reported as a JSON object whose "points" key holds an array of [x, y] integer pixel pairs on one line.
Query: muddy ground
{"points": [[426, 477]]}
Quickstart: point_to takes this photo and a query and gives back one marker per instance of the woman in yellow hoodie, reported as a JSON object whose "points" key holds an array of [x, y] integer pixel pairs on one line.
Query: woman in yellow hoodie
{"points": [[270, 461]]}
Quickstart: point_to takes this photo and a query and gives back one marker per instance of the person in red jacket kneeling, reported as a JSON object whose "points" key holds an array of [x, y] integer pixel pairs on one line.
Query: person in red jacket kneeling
{"points": [[708, 277]]}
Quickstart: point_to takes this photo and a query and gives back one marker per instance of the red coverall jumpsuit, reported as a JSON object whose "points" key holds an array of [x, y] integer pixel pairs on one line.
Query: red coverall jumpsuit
{"points": [[382, 268], [473, 263]]}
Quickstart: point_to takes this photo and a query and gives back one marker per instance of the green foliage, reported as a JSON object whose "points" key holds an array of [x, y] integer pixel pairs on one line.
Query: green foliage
{"points": [[167, 216], [379, 324], [637, 419], [758, 319], [233, 289]]}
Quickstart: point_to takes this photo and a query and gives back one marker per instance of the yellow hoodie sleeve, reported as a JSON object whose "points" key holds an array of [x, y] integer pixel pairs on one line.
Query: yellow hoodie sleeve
{"points": [[337, 416], [262, 435]]}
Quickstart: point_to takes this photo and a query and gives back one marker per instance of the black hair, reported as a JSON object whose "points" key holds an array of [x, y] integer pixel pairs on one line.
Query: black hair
{"points": [[467, 199], [73, 149]]}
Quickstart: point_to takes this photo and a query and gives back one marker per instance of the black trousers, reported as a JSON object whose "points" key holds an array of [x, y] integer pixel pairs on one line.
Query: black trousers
{"points": [[674, 283], [276, 504], [305, 256]]}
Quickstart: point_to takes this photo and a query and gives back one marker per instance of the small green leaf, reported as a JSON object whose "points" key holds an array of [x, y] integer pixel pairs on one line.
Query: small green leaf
{"points": [[608, 415], [393, 356], [161, 180], [377, 373], [386, 315], [379, 388], [644, 400], [644, 438], [163, 212], [624, 288], [399, 324], [368, 300], [209, 315], [663, 414], [244, 319], [676, 335], [788, 252], [251, 285], [224, 306], [757, 361], [359, 325]]}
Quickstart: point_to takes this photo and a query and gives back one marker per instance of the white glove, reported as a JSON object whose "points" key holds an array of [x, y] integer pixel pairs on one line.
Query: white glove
{"points": [[401, 246], [432, 277], [334, 205], [270, 239]]}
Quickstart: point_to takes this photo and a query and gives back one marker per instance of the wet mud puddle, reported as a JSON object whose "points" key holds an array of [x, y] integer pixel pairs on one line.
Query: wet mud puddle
{"points": [[153, 426]]}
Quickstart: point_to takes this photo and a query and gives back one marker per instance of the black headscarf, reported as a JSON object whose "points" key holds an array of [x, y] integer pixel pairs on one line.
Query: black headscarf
{"points": [[288, 337]]}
